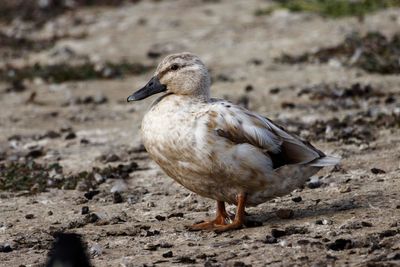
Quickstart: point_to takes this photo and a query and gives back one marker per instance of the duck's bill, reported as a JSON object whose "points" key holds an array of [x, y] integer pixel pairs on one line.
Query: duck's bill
{"points": [[152, 87]]}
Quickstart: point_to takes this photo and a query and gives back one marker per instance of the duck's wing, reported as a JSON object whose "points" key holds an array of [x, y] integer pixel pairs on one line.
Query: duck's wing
{"points": [[239, 125]]}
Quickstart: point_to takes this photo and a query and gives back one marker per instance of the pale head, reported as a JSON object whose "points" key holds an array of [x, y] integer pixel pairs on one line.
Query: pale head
{"points": [[180, 74]]}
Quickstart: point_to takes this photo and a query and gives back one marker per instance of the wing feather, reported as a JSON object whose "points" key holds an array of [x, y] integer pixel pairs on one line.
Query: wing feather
{"points": [[242, 126]]}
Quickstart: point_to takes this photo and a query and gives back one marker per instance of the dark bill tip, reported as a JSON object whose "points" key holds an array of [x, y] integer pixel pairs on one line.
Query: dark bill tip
{"points": [[152, 87]]}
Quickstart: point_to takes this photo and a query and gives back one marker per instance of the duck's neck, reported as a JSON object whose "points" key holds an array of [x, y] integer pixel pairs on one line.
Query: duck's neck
{"points": [[202, 94]]}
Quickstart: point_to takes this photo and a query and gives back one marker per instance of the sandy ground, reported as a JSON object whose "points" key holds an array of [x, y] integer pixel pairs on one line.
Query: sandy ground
{"points": [[346, 216]]}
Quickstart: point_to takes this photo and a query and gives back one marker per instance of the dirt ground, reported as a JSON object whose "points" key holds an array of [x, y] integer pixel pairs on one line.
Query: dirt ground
{"points": [[345, 216]]}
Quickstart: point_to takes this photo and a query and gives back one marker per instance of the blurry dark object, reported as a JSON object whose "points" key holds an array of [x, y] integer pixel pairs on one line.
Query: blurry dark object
{"points": [[68, 251], [41, 11], [17, 86], [373, 53]]}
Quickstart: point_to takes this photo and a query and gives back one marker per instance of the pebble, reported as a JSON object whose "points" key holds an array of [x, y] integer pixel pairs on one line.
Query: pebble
{"points": [[85, 210], [340, 244], [29, 216], [166, 245], [92, 218], [314, 183], [95, 250], [168, 254], [185, 259], [117, 197], [119, 186], [297, 199], [70, 135], [323, 222], [270, 240], [49, 213], [276, 233], [35, 153], [284, 213], [89, 195], [5, 248], [160, 218], [377, 171], [99, 178], [85, 141]]}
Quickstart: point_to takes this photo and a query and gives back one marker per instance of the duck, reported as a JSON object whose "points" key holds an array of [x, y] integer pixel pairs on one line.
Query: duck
{"points": [[217, 149]]}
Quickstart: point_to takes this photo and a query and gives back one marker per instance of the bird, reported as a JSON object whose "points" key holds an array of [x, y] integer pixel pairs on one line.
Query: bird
{"points": [[217, 149]]}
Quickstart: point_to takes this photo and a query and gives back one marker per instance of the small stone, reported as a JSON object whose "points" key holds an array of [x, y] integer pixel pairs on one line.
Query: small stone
{"points": [[185, 259], [117, 197], [303, 242], [160, 218], [284, 213], [248, 88], [388, 233], [288, 105], [377, 171], [240, 264], [168, 254], [274, 91], [29, 216], [92, 218], [313, 185], [151, 247], [270, 240], [49, 213], [96, 250], [119, 186], [35, 153], [89, 195], [297, 199], [5, 248], [99, 178], [326, 222], [85, 210], [277, 233], [340, 244], [84, 141], [165, 245], [70, 135]]}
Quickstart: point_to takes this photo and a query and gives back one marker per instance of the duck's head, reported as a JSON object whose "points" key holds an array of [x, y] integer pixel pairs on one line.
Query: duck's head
{"points": [[180, 74]]}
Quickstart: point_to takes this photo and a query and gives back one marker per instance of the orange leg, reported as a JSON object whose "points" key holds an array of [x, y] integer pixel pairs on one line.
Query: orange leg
{"points": [[239, 217], [219, 224], [220, 219]]}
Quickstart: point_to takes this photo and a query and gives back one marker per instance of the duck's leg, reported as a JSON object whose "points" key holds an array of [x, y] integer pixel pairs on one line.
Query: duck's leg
{"points": [[239, 217], [220, 219]]}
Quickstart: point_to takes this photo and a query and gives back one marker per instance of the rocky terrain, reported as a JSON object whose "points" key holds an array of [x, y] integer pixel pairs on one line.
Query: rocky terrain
{"points": [[71, 159]]}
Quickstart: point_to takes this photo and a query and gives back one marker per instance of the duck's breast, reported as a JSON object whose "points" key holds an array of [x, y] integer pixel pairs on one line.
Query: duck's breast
{"points": [[173, 135]]}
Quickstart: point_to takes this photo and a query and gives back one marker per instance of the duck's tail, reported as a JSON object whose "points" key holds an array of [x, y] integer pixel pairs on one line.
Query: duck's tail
{"points": [[325, 161]]}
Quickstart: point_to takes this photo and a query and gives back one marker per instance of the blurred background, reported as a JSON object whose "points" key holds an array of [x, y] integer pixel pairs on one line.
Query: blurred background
{"points": [[70, 152]]}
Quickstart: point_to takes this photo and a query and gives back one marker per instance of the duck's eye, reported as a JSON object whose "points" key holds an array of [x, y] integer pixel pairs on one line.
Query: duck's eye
{"points": [[174, 67]]}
